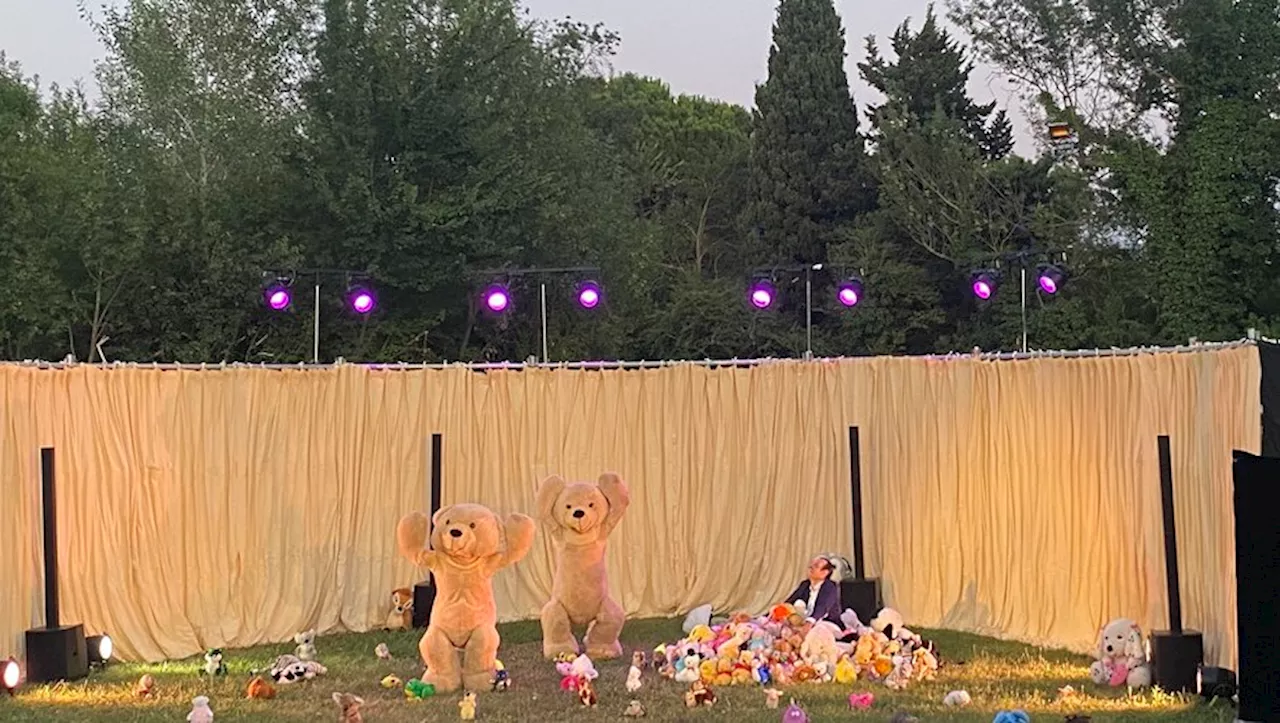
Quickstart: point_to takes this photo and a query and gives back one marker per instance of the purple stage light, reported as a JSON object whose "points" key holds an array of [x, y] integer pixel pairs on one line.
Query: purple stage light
{"points": [[589, 295], [984, 284], [497, 299], [361, 300], [1050, 278], [278, 298], [761, 295], [850, 292]]}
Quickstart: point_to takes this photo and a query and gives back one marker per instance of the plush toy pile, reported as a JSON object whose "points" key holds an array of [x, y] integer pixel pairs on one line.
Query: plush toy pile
{"points": [[783, 647]]}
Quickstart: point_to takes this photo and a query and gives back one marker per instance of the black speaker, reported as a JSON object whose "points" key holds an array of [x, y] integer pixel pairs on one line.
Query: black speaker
{"points": [[1176, 659], [863, 596], [55, 654], [1257, 586], [424, 596]]}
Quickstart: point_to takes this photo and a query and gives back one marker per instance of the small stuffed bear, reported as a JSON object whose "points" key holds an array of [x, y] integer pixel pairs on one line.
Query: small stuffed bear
{"points": [[467, 707], [200, 710], [306, 650], [1121, 656], [348, 708]]}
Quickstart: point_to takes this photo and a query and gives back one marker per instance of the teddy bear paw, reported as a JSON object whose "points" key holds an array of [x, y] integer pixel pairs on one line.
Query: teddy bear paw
{"points": [[604, 651]]}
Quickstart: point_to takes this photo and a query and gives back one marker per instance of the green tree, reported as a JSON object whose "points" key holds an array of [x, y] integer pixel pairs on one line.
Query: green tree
{"points": [[928, 78], [807, 155]]}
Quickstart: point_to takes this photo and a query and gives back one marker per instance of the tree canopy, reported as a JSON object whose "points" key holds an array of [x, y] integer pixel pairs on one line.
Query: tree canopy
{"points": [[424, 146]]}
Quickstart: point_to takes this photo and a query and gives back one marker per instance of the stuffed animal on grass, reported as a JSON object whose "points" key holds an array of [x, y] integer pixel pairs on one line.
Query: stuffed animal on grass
{"points": [[887, 621], [1011, 716], [580, 517], [306, 650], [820, 645], [348, 708], [200, 710], [146, 686], [1121, 656], [467, 707], [213, 664], [634, 710], [401, 615], [794, 714], [468, 544], [290, 669], [259, 689]]}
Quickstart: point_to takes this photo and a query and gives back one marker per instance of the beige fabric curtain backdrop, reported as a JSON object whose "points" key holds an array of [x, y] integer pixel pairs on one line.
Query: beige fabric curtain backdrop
{"points": [[1016, 498]]}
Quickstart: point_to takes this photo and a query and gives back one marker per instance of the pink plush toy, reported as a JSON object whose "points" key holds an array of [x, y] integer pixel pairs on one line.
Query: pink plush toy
{"points": [[861, 701]]}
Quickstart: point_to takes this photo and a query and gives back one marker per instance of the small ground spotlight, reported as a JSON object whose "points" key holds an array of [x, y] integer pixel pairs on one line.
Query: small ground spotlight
{"points": [[99, 649], [10, 675]]}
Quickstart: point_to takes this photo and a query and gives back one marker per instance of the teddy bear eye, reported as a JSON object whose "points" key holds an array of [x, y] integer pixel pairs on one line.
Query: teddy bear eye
{"points": [[446, 522], [568, 507], [473, 525], [591, 504]]}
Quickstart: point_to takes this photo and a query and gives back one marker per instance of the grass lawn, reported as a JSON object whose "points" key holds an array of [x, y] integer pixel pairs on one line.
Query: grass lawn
{"points": [[998, 675]]}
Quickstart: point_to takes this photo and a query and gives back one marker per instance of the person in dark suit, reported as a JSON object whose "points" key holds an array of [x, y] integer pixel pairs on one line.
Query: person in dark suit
{"points": [[819, 593]]}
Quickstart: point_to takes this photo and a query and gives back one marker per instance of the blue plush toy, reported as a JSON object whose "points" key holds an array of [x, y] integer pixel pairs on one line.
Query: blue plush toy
{"points": [[1012, 716]]}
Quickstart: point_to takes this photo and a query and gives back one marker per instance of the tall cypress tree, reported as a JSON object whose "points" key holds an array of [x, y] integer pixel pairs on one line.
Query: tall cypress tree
{"points": [[930, 78], [807, 155]]}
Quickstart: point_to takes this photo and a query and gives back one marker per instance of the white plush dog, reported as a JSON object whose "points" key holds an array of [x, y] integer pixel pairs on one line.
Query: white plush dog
{"points": [[1121, 656]]}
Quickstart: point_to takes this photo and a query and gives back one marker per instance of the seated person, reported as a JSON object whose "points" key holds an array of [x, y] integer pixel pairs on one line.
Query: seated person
{"points": [[820, 595]]}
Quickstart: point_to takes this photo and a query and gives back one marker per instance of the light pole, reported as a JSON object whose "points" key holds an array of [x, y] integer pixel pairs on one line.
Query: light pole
{"points": [[497, 296]]}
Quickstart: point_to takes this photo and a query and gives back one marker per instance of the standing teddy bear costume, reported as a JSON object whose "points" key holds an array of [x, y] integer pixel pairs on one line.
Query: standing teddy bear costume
{"points": [[581, 516], [468, 545]]}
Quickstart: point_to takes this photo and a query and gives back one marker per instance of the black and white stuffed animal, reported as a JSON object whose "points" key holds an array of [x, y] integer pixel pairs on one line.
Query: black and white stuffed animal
{"points": [[289, 669], [213, 664]]}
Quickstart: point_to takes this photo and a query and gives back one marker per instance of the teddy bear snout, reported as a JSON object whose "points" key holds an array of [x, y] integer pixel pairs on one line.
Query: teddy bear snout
{"points": [[579, 514], [455, 532]]}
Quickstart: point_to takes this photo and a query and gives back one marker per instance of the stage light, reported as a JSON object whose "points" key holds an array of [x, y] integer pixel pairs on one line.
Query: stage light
{"points": [[1060, 132], [849, 293], [1215, 683], [1050, 278], [361, 299], [99, 649], [762, 293], [983, 284], [276, 293], [589, 294], [10, 674], [497, 298]]}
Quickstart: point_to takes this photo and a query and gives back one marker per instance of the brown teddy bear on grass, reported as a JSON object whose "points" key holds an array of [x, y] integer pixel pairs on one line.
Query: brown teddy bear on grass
{"points": [[468, 545], [581, 516]]}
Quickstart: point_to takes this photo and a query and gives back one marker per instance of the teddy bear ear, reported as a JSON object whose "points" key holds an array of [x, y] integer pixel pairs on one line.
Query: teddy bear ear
{"points": [[439, 515]]}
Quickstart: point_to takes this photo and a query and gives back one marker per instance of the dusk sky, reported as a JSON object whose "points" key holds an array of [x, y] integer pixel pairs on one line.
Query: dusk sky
{"points": [[714, 48]]}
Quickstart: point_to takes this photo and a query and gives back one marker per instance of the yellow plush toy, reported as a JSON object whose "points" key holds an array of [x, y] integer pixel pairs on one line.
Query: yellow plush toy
{"points": [[846, 671], [580, 517], [468, 544]]}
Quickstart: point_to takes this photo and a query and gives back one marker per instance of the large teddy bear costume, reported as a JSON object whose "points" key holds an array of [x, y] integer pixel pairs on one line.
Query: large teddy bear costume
{"points": [[581, 516], [468, 545], [1121, 656]]}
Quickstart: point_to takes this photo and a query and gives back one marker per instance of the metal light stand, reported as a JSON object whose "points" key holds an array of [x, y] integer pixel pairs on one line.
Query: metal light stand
{"points": [[291, 275], [1023, 258], [542, 274], [807, 270]]}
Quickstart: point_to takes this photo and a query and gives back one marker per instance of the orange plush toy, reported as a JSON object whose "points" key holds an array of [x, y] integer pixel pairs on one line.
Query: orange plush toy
{"points": [[580, 517], [468, 544], [401, 615]]}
